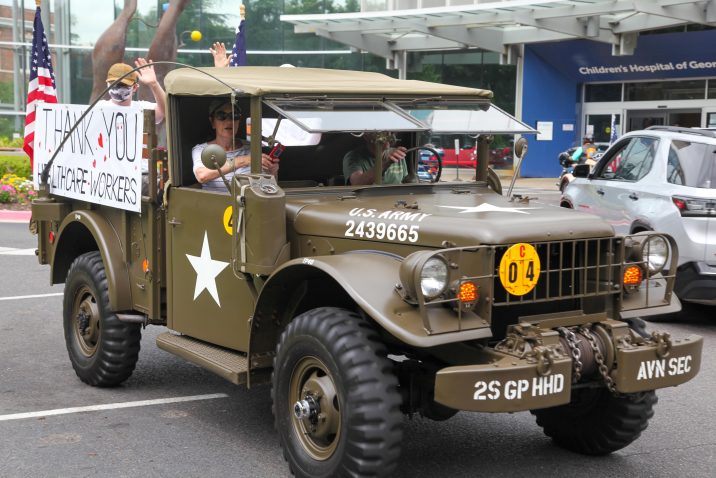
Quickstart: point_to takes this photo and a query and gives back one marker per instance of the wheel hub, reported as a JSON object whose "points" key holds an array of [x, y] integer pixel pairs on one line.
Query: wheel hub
{"points": [[87, 321], [315, 413]]}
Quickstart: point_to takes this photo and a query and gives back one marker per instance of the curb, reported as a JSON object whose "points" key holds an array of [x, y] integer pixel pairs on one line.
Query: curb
{"points": [[7, 215]]}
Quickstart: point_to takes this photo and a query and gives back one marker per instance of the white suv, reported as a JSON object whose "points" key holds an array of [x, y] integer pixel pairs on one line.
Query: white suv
{"points": [[660, 179]]}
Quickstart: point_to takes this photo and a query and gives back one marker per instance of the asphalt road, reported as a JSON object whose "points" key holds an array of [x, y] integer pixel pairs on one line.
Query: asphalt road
{"points": [[224, 430]]}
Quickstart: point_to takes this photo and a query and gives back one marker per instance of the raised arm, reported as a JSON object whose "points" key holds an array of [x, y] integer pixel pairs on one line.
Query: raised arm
{"points": [[148, 77]]}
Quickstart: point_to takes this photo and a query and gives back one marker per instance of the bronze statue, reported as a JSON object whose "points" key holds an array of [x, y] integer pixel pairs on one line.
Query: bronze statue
{"points": [[110, 46], [164, 44]]}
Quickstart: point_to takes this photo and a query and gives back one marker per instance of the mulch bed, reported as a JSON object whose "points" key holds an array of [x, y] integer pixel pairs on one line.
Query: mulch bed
{"points": [[13, 206]]}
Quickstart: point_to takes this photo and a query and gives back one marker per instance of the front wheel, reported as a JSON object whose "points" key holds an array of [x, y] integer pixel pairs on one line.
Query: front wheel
{"points": [[596, 422], [103, 350], [335, 398]]}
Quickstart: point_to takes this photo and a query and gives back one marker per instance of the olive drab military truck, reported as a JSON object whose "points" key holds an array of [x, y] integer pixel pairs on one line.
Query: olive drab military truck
{"points": [[362, 304]]}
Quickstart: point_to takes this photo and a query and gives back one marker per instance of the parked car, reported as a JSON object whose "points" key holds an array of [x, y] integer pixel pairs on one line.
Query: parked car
{"points": [[660, 179]]}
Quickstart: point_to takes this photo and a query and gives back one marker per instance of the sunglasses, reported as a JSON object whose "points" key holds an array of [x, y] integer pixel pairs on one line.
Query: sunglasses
{"points": [[224, 115]]}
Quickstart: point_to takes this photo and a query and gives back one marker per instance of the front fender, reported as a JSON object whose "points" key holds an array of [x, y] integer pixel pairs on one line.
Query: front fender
{"points": [[106, 239], [366, 278]]}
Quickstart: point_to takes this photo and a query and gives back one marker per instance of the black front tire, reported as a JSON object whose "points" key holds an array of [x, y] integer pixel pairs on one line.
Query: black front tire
{"points": [[103, 350], [596, 422], [334, 357]]}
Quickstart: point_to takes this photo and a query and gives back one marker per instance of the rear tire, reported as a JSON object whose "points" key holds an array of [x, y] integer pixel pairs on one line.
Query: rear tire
{"points": [[333, 358], [596, 422], [103, 350]]}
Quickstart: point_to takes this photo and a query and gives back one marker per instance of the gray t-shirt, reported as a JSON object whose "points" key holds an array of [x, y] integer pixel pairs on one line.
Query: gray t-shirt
{"points": [[217, 184]]}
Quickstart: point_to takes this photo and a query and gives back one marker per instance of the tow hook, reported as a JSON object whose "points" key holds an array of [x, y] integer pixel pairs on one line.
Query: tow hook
{"points": [[308, 408]]}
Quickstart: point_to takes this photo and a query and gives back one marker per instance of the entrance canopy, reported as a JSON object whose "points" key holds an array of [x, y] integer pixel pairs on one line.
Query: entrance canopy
{"points": [[501, 26]]}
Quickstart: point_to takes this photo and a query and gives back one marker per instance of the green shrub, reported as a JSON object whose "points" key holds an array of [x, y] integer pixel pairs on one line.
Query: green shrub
{"points": [[6, 142], [16, 164]]}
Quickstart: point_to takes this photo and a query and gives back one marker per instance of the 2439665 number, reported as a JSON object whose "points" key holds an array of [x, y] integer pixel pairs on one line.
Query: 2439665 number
{"points": [[382, 230]]}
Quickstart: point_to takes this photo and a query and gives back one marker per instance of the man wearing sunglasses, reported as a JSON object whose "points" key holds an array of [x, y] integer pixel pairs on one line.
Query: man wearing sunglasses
{"points": [[224, 119]]}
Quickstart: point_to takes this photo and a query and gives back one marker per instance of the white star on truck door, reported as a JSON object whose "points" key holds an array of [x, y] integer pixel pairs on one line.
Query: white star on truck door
{"points": [[206, 271]]}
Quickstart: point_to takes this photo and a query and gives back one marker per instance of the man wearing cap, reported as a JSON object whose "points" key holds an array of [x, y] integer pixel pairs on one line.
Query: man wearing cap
{"points": [[358, 164], [224, 119], [121, 94]]}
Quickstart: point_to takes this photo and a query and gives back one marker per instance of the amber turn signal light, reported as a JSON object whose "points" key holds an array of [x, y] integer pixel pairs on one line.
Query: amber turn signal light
{"points": [[632, 275], [468, 293]]}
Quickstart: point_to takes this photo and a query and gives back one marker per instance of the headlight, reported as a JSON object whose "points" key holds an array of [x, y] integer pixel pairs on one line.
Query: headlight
{"points": [[423, 271], [655, 252], [434, 277]]}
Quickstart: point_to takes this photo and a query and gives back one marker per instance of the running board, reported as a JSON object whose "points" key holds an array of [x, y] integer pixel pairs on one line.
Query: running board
{"points": [[226, 363]]}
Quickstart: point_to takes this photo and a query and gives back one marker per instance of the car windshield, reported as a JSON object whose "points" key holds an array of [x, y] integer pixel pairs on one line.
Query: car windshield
{"points": [[692, 164]]}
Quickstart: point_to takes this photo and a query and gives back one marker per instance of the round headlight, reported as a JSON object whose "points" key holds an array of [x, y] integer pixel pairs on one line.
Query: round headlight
{"points": [[655, 252], [434, 277]]}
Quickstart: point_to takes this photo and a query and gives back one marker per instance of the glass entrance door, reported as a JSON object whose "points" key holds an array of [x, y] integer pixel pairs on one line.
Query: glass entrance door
{"points": [[599, 127], [708, 118], [643, 119]]}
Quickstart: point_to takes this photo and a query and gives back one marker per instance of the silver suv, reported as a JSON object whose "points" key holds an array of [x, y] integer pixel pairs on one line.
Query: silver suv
{"points": [[660, 179]]}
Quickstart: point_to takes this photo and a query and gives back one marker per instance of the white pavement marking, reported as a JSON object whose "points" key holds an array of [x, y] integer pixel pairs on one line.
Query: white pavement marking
{"points": [[35, 296], [12, 251], [109, 406]]}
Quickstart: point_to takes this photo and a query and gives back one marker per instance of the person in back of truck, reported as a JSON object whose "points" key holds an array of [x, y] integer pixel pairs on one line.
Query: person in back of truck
{"points": [[121, 94], [358, 163], [224, 119]]}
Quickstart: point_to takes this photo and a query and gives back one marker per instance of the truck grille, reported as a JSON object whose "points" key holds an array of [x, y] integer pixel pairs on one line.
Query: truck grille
{"points": [[568, 269]]}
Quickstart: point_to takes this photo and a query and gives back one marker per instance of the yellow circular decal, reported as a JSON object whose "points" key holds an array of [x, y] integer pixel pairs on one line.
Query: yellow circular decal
{"points": [[229, 220], [519, 269]]}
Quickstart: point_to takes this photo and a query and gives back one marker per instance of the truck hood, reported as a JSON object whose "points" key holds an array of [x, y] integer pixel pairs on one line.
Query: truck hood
{"points": [[430, 216]]}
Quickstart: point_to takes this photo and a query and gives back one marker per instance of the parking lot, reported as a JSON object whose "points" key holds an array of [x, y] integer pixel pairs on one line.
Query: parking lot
{"points": [[172, 418]]}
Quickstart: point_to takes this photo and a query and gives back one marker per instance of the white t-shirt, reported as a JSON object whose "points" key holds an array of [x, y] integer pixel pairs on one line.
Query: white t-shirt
{"points": [[217, 184], [145, 105]]}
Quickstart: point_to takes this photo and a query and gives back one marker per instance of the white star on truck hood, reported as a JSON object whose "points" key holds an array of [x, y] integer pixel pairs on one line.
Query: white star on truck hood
{"points": [[206, 271], [485, 207]]}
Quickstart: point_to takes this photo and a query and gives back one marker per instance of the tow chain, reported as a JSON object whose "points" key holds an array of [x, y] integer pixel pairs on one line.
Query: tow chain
{"points": [[574, 350], [603, 370]]}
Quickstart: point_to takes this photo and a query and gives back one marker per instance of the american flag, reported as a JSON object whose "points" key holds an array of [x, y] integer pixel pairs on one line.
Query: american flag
{"points": [[42, 82], [238, 53], [613, 135]]}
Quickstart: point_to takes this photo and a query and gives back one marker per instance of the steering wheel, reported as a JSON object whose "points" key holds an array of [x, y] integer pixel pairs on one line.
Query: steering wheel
{"points": [[435, 153]]}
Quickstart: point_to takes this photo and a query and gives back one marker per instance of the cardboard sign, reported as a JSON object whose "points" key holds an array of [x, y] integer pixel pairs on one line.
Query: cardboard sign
{"points": [[101, 161]]}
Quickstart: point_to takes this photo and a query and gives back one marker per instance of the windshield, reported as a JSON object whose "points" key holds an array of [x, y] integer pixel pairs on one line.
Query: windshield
{"points": [[435, 115], [348, 116], [692, 164], [450, 117]]}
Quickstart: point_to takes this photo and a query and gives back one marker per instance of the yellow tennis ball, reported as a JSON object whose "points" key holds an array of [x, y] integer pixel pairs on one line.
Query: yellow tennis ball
{"points": [[196, 35]]}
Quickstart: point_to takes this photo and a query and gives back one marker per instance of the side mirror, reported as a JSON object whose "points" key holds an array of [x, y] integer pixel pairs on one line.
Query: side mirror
{"points": [[213, 156], [521, 148], [581, 171]]}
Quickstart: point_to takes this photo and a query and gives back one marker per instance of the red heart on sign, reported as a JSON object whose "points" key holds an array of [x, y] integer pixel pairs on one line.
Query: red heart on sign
{"points": [[99, 141], [94, 163], [105, 157]]}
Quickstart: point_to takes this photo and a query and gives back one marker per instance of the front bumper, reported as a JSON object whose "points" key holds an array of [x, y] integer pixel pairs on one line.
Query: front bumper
{"points": [[696, 282], [518, 382]]}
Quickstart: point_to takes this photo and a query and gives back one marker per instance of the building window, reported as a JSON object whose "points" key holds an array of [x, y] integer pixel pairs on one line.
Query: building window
{"points": [[712, 90], [665, 90], [601, 92]]}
